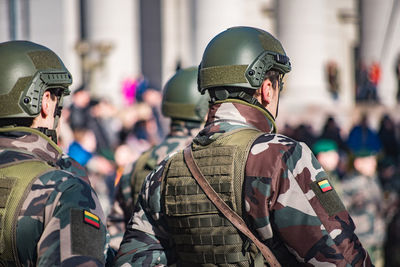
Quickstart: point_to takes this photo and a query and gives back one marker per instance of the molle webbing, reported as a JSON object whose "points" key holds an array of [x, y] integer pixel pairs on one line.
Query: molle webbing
{"points": [[186, 222], [191, 198], [15, 182], [217, 258], [144, 165], [201, 234]]}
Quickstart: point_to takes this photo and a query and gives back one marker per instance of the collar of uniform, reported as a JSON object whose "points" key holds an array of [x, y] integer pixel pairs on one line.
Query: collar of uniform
{"points": [[238, 112], [31, 140]]}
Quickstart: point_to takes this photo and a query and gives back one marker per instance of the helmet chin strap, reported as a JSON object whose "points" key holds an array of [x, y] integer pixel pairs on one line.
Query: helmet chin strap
{"points": [[49, 132], [277, 105], [224, 94]]}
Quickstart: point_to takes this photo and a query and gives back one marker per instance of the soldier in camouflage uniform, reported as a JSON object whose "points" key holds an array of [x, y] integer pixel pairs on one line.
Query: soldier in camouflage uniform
{"points": [[187, 109], [49, 214], [273, 182], [363, 197]]}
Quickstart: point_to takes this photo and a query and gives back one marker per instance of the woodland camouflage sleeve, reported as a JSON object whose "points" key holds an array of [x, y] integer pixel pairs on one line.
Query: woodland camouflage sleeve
{"points": [[74, 223], [323, 228], [295, 198]]}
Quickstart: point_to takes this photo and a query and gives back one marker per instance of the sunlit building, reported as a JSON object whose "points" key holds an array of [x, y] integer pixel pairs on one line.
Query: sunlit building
{"points": [[343, 52]]}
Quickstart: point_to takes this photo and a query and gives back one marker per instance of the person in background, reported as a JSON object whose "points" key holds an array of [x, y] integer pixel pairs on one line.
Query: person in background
{"points": [[363, 197], [332, 131], [363, 137], [83, 145], [186, 108], [388, 169], [86, 112], [50, 215]]}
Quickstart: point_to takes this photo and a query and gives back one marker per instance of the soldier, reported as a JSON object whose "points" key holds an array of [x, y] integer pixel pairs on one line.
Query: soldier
{"points": [[50, 215], [279, 190], [187, 109], [364, 199]]}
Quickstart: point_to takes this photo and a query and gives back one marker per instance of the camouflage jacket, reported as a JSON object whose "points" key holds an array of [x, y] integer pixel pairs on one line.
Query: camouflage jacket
{"points": [[363, 198], [121, 211], [287, 194], [61, 221]]}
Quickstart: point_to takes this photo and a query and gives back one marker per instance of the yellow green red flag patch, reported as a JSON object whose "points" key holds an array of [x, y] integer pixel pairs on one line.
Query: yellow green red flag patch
{"points": [[91, 219], [325, 185]]}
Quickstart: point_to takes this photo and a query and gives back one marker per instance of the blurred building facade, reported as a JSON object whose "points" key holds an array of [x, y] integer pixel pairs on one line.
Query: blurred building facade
{"points": [[128, 38]]}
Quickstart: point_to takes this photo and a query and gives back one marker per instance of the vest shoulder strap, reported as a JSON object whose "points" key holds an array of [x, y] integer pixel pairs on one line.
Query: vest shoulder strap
{"points": [[242, 139], [15, 182], [232, 216]]}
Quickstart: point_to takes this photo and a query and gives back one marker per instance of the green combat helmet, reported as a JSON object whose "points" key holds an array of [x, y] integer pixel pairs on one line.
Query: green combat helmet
{"points": [[27, 70], [181, 100], [240, 57]]}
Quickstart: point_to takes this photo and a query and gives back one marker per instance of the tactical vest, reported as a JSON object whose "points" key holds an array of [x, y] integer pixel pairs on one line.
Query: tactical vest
{"points": [[203, 236], [144, 165], [16, 179]]}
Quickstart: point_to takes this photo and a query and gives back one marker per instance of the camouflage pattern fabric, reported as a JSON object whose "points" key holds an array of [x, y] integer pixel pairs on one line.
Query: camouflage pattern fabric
{"points": [[336, 182], [180, 136], [52, 229], [392, 244], [287, 197], [363, 198]]}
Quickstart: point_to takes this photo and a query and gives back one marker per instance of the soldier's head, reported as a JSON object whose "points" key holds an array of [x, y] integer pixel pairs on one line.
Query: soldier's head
{"points": [[244, 63], [181, 100], [326, 151], [33, 81], [365, 161]]}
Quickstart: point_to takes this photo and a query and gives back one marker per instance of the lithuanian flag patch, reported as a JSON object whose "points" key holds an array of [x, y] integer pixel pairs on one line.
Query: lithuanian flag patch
{"points": [[91, 219], [325, 186]]}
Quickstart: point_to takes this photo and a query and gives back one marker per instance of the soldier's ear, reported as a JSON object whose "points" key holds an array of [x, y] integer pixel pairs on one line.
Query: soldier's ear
{"points": [[267, 91], [46, 104]]}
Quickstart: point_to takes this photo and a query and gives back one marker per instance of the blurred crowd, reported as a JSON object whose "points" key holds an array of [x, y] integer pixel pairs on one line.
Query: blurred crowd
{"points": [[363, 165], [104, 138]]}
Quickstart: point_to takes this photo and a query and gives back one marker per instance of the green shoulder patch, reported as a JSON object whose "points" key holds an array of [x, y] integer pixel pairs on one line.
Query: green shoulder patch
{"points": [[88, 235], [327, 196]]}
